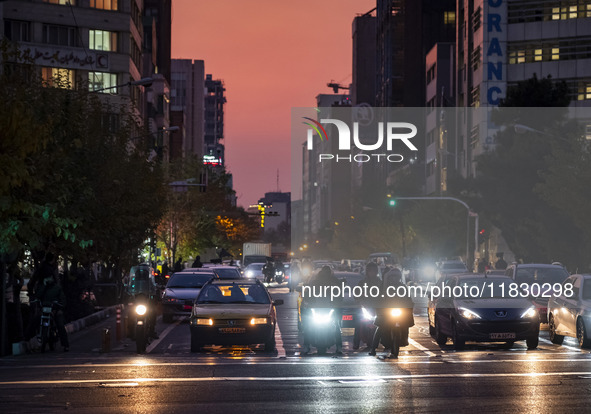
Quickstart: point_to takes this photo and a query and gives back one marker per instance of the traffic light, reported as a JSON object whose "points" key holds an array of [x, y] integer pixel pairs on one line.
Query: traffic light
{"points": [[392, 203], [482, 236]]}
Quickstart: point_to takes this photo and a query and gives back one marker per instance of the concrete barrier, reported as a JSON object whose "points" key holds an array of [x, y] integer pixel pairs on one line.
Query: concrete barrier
{"points": [[89, 320]]}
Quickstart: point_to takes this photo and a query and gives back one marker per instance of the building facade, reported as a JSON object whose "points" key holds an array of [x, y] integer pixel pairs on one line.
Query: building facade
{"points": [[187, 91], [88, 43]]}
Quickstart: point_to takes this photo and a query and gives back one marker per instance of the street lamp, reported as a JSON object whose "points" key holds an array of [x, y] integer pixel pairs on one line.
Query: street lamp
{"points": [[140, 82], [522, 129], [470, 214]]}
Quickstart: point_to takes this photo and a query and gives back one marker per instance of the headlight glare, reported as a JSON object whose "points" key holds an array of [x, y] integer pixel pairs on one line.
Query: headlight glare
{"points": [[322, 317], [258, 321], [205, 321], [396, 312], [468, 314], [367, 315], [141, 310], [530, 313]]}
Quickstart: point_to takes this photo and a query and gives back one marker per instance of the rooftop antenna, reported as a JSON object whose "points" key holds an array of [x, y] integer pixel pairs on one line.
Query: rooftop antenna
{"points": [[278, 180]]}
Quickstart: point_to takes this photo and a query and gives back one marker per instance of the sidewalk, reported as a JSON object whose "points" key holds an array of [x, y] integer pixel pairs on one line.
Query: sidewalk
{"points": [[90, 340]]}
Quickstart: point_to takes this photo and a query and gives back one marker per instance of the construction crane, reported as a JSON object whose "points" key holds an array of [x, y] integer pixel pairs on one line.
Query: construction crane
{"points": [[336, 86]]}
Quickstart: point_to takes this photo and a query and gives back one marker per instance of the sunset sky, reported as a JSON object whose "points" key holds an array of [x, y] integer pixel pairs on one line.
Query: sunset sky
{"points": [[272, 55]]}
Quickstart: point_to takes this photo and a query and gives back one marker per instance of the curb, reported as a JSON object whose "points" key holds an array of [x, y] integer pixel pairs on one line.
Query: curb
{"points": [[89, 320]]}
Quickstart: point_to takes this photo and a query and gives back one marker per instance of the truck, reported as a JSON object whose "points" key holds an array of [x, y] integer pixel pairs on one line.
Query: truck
{"points": [[255, 252]]}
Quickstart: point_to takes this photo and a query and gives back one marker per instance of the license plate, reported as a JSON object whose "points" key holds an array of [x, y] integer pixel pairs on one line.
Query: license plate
{"points": [[232, 330], [347, 317], [503, 335]]}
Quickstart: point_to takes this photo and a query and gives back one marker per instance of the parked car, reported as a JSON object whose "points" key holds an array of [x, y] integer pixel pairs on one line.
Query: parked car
{"points": [[180, 293], [540, 274], [490, 317], [569, 314], [233, 313]]}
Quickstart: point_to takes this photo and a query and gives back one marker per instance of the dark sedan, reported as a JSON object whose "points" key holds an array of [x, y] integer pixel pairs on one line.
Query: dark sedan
{"points": [[180, 293], [485, 312]]}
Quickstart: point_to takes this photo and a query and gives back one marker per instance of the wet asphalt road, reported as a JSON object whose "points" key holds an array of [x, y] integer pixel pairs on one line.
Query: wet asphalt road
{"points": [[426, 378]]}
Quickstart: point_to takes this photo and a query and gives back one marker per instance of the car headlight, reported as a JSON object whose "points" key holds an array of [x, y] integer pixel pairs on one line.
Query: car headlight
{"points": [[367, 315], [258, 321], [396, 312], [141, 310], [322, 317], [468, 314], [205, 321], [530, 313]]}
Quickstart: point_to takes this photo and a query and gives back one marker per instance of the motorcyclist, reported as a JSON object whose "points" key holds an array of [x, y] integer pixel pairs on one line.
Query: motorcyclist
{"points": [[50, 294], [325, 277], [269, 270], [143, 287], [392, 279], [370, 280]]}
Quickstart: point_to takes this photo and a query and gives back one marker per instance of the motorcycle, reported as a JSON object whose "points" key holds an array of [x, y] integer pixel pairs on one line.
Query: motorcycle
{"points": [[47, 334], [394, 329], [279, 276], [142, 328], [365, 330], [320, 331]]}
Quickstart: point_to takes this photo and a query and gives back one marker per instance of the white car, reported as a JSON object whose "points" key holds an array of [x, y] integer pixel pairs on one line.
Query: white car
{"points": [[570, 313], [254, 270]]}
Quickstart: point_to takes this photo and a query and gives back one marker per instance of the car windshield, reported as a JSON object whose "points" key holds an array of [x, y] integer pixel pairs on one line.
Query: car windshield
{"points": [[234, 293], [453, 266], [541, 275], [227, 273], [351, 279], [188, 280], [485, 288]]}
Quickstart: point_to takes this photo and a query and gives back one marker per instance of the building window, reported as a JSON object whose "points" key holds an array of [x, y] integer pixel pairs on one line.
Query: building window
{"points": [[58, 77], [538, 55], [431, 73], [102, 40], [449, 17], [475, 97], [475, 58], [63, 2], [60, 35], [17, 31], [102, 80], [555, 53], [476, 19], [104, 4], [584, 91]]}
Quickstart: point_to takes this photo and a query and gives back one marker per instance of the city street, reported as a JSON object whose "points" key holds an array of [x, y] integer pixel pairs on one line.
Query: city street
{"points": [[168, 378]]}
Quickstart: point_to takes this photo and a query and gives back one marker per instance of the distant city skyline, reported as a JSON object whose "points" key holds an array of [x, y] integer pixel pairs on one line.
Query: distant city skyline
{"points": [[272, 56]]}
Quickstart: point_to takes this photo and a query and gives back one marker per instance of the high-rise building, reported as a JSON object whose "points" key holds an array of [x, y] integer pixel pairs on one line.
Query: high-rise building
{"points": [[187, 95], [440, 155], [502, 42], [406, 30], [363, 88], [158, 18], [93, 44], [215, 100]]}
